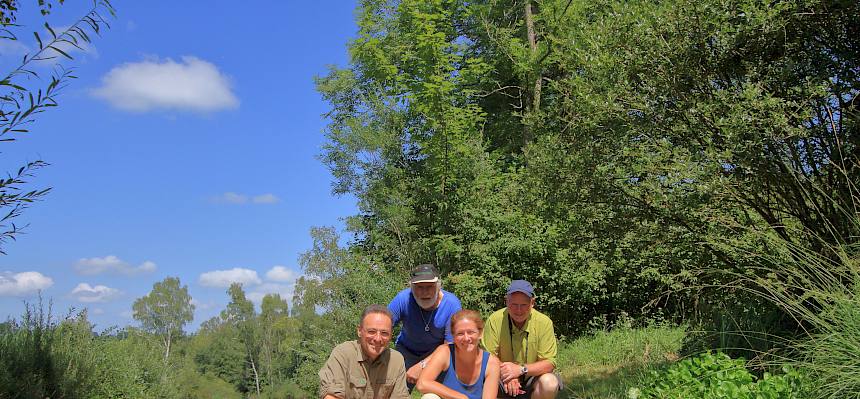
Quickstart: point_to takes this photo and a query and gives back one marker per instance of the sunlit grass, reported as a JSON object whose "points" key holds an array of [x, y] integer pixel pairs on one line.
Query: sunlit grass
{"points": [[607, 363]]}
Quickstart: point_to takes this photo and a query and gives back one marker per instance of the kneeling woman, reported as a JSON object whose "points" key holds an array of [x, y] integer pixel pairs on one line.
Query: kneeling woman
{"points": [[467, 371]]}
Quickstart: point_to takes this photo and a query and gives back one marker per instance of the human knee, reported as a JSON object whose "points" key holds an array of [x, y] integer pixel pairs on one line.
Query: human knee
{"points": [[430, 396], [547, 383]]}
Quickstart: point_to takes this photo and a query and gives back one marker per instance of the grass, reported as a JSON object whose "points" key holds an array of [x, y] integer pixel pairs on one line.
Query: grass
{"points": [[606, 364]]}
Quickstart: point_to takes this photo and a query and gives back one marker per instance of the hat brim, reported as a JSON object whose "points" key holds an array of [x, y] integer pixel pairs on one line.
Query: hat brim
{"points": [[424, 280], [526, 293]]}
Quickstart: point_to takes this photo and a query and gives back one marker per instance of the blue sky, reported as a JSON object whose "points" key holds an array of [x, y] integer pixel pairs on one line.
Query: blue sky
{"points": [[186, 148]]}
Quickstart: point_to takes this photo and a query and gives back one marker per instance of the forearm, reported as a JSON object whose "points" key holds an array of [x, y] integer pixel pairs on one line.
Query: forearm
{"points": [[540, 367], [433, 386]]}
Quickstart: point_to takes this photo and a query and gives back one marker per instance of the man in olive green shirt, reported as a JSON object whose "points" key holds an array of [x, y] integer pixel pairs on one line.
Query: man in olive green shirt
{"points": [[524, 340], [365, 368]]}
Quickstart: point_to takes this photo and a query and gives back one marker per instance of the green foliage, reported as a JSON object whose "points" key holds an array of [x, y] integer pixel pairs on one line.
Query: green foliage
{"points": [[717, 376], [44, 357], [22, 100], [165, 310]]}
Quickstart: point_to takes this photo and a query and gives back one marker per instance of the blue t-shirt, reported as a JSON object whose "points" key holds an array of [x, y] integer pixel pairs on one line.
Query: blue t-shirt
{"points": [[413, 336]]}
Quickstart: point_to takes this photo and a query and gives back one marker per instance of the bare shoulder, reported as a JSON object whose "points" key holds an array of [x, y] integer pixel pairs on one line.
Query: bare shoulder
{"points": [[493, 361]]}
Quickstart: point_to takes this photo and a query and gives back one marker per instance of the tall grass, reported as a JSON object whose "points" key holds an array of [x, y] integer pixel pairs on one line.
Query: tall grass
{"points": [[815, 281]]}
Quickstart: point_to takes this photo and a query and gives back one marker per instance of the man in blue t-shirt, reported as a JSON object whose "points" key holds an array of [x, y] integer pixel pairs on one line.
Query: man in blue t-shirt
{"points": [[425, 310]]}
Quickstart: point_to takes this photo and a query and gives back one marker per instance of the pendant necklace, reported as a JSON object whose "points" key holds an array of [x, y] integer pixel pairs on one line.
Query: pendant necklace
{"points": [[426, 322]]}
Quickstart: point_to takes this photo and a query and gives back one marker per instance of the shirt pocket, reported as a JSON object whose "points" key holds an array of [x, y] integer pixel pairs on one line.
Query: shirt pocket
{"points": [[357, 386], [384, 387]]}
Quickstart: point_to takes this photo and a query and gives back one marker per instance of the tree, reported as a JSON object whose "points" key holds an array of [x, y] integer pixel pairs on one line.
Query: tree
{"points": [[21, 101], [240, 314], [165, 310]]}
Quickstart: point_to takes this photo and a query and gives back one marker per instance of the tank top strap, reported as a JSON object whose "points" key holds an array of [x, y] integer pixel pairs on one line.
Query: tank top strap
{"points": [[485, 359]]}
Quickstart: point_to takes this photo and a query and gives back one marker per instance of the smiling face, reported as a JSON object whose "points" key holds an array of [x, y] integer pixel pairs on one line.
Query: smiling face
{"points": [[519, 307], [467, 334], [426, 294], [374, 334]]}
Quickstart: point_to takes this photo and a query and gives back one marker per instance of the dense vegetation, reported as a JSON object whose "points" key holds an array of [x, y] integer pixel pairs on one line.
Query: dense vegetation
{"points": [[639, 162]]}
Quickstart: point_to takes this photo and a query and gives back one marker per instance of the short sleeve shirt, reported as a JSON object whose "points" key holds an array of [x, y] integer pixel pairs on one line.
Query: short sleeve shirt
{"points": [[535, 341], [422, 331], [348, 375]]}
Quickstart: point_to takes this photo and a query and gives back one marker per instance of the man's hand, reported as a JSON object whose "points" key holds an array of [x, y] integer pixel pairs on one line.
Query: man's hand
{"points": [[513, 388], [510, 371], [413, 373]]}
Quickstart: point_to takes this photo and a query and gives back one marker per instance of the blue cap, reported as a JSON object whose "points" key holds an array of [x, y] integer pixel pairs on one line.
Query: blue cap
{"points": [[521, 286]]}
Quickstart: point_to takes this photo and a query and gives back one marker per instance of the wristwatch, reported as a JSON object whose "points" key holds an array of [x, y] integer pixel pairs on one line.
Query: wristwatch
{"points": [[524, 370]]}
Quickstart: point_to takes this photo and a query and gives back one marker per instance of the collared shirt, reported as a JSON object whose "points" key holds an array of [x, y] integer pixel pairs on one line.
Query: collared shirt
{"points": [[422, 331], [347, 374], [535, 341]]}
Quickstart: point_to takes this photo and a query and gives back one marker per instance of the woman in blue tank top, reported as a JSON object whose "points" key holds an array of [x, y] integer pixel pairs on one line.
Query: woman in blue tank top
{"points": [[461, 370]]}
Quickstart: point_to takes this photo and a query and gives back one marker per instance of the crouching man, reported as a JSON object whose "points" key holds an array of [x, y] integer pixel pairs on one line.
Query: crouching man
{"points": [[365, 368], [524, 341]]}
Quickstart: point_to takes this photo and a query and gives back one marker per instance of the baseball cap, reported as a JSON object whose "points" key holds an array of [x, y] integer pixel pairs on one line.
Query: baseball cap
{"points": [[521, 286], [424, 273]]}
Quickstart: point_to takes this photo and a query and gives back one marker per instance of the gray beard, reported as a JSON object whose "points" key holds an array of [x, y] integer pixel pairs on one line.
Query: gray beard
{"points": [[427, 304]]}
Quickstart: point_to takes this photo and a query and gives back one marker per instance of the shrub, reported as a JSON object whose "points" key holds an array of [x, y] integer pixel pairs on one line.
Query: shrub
{"points": [[716, 376]]}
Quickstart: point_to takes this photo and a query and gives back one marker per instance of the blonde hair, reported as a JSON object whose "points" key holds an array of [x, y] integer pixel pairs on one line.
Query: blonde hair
{"points": [[467, 314]]}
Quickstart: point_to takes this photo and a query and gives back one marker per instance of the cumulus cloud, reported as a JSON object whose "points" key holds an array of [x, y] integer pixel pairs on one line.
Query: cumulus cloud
{"points": [[24, 283], [189, 85], [236, 198], [112, 264], [266, 199], [89, 294], [223, 278], [280, 273]]}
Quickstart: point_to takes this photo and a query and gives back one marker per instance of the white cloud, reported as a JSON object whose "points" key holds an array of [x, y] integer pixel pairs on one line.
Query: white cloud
{"points": [[113, 264], [89, 294], [237, 198], [97, 311], [231, 198], [266, 199], [223, 278], [24, 283], [280, 273], [13, 48], [191, 85], [257, 293]]}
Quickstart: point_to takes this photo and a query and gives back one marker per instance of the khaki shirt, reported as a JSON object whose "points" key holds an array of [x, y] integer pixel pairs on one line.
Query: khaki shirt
{"points": [[348, 375], [535, 341]]}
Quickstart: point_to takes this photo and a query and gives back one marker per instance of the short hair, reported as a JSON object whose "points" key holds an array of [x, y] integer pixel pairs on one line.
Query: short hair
{"points": [[375, 308], [467, 314]]}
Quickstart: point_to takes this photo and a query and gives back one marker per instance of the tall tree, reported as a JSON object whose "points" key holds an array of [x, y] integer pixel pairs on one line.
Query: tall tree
{"points": [[165, 310], [240, 314]]}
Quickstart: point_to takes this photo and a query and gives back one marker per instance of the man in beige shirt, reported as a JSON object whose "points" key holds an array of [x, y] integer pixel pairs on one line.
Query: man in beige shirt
{"points": [[365, 368]]}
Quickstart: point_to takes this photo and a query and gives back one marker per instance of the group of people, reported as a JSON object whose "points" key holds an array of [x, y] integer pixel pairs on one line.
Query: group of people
{"points": [[445, 351]]}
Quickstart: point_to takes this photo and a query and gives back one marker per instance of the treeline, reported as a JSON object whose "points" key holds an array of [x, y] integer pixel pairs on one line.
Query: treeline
{"points": [[624, 156], [239, 353]]}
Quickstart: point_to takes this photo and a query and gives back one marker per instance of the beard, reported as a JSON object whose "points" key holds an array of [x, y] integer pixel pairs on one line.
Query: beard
{"points": [[427, 304]]}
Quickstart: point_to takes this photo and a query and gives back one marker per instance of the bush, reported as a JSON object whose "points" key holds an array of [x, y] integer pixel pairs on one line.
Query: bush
{"points": [[715, 376]]}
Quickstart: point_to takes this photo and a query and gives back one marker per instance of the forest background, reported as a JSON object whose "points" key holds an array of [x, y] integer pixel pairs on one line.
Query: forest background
{"points": [[642, 163]]}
